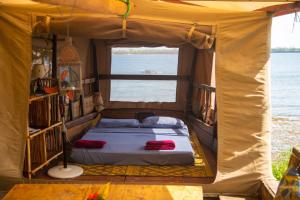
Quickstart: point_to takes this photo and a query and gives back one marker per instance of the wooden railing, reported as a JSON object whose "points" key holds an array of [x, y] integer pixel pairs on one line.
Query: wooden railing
{"points": [[204, 119], [207, 103]]}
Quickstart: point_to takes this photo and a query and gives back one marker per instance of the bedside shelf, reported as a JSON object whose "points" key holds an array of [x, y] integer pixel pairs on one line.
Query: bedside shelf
{"points": [[45, 144]]}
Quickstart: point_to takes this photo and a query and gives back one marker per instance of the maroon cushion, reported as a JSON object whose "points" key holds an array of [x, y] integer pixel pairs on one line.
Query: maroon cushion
{"points": [[160, 145]]}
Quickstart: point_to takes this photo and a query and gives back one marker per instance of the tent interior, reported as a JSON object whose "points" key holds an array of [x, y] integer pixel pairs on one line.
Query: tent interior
{"points": [[220, 83]]}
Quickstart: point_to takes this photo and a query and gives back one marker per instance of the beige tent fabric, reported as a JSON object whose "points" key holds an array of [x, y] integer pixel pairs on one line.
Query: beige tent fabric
{"points": [[203, 74], [15, 67], [104, 6], [242, 53], [244, 118], [150, 31]]}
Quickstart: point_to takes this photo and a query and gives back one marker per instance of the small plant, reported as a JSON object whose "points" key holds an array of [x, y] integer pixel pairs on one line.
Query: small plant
{"points": [[101, 194], [280, 165]]}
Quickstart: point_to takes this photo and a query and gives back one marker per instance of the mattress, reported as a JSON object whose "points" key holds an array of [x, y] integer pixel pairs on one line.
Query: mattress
{"points": [[125, 146]]}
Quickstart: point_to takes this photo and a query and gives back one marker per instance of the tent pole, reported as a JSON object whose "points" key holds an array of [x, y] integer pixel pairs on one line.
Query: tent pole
{"points": [[54, 55], [64, 171]]}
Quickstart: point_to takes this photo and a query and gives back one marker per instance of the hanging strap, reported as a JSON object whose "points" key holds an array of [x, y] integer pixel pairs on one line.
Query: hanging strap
{"points": [[124, 26], [190, 33], [124, 16]]}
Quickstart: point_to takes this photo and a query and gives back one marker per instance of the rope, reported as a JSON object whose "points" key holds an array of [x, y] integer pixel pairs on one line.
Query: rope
{"points": [[124, 16], [190, 33], [124, 24]]}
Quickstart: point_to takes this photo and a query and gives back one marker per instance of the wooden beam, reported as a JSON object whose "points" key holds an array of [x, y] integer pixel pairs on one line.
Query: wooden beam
{"points": [[95, 68], [81, 120], [189, 103], [142, 77], [205, 87], [283, 9]]}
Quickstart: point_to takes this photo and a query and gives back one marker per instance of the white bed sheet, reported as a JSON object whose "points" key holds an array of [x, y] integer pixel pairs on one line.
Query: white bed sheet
{"points": [[127, 148]]}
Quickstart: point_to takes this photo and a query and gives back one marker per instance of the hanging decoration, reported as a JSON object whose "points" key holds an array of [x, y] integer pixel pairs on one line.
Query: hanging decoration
{"points": [[69, 68]]}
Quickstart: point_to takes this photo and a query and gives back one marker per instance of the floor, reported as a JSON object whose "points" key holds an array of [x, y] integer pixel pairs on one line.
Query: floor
{"points": [[42, 175]]}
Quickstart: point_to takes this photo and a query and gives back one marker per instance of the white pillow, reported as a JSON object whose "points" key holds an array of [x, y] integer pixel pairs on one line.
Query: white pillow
{"points": [[118, 123], [162, 122]]}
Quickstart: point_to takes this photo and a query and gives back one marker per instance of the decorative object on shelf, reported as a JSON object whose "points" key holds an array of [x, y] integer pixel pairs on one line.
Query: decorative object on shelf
{"points": [[38, 71], [69, 81], [41, 64], [39, 89], [98, 101], [50, 90]]}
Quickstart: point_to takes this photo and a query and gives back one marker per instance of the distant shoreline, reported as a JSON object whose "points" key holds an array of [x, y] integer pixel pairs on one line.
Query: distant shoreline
{"points": [[129, 51], [275, 51]]}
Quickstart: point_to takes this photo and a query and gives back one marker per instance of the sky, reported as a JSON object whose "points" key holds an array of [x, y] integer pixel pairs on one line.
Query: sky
{"points": [[283, 34]]}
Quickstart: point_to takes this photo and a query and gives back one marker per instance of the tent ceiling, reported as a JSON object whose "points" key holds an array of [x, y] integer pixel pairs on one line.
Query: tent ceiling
{"points": [[235, 5]]}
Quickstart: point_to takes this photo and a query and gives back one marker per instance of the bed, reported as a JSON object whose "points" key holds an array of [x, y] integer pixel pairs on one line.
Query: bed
{"points": [[125, 146]]}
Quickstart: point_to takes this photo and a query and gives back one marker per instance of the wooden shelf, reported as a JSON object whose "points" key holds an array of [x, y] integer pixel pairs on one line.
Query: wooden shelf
{"points": [[35, 98], [45, 144], [32, 135], [38, 167]]}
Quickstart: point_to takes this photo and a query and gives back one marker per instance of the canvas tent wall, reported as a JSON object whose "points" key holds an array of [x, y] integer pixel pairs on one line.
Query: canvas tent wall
{"points": [[242, 79]]}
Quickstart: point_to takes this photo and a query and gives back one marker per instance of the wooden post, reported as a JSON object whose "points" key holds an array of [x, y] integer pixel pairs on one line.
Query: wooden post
{"points": [[54, 55], [49, 110], [191, 84], [81, 104], [70, 109], [28, 157], [95, 67]]}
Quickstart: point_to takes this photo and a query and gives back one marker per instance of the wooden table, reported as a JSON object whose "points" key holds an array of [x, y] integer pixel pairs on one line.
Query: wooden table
{"points": [[116, 192]]}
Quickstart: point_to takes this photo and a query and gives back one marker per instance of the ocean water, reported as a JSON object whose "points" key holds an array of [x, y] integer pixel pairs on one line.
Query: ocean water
{"points": [[285, 98], [285, 89], [285, 84], [146, 90]]}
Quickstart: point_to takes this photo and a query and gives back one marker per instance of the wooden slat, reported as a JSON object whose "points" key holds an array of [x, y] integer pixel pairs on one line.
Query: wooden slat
{"points": [[35, 98], [44, 130], [206, 87], [142, 77], [283, 9], [45, 163], [81, 120]]}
